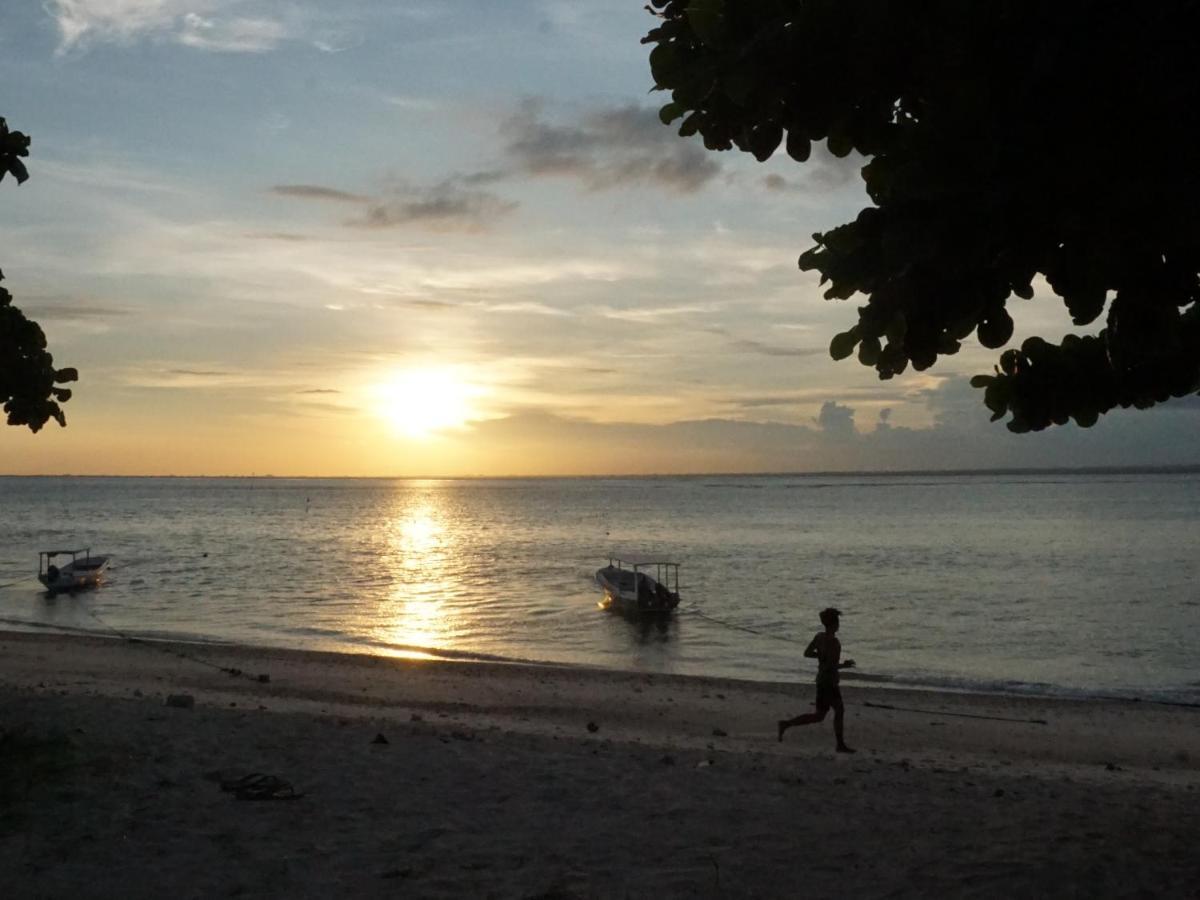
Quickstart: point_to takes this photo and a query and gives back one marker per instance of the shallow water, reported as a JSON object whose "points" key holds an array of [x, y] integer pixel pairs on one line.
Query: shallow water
{"points": [[1067, 583]]}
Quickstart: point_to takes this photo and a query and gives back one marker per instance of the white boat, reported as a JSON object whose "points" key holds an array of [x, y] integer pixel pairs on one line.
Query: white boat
{"points": [[629, 587], [83, 571]]}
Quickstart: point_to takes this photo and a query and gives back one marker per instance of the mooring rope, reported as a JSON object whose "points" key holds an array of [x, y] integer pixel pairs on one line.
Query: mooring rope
{"points": [[695, 610], [182, 654], [934, 712]]}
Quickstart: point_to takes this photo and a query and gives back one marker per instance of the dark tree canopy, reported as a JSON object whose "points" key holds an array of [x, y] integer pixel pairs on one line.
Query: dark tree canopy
{"points": [[1005, 139], [28, 380]]}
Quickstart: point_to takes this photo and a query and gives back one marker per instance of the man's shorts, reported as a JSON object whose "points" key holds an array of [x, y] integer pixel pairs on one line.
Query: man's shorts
{"points": [[829, 695]]}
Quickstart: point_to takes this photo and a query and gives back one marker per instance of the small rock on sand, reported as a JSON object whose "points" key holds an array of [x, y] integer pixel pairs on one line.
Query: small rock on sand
{"points": [[379, 739], [593, 727], [181, 701]]}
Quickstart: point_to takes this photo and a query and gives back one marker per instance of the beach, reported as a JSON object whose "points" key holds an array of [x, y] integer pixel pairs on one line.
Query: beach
{"points": [[445, 779]]}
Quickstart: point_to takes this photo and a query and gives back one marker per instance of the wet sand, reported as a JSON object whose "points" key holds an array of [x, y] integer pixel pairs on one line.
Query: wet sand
{"points": [[528, 781]]}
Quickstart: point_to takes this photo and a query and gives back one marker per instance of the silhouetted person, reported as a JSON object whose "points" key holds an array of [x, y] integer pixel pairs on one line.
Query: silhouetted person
{"points": [[826, 649]]}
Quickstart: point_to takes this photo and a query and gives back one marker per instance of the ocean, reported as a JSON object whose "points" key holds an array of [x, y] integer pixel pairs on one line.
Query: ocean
{"points": [[1072, 584]]}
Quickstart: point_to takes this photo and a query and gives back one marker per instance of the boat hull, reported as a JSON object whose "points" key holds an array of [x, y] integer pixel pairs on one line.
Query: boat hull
{"points": [[75, 576], [634, 593]]}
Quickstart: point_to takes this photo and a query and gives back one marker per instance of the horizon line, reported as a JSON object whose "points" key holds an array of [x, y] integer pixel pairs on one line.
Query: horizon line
{"points": [[1172, 469]]}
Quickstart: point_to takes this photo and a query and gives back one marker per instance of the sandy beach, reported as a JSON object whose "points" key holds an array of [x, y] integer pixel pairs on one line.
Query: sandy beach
{"points": [[445, 779]]}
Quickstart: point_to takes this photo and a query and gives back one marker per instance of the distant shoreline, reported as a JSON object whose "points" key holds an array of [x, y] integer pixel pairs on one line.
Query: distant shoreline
{"points": [[1189, 469]]}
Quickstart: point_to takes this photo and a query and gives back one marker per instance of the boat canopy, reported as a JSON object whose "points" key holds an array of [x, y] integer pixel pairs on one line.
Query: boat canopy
{"points": [[50, 554], [638, 560]]}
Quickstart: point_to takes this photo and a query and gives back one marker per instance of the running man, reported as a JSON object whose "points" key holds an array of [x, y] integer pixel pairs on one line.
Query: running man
{"points": [[826, 649]]}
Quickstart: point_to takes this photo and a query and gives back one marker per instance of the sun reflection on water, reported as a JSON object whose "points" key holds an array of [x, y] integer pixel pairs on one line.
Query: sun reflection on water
{"points": [[421, 564]]}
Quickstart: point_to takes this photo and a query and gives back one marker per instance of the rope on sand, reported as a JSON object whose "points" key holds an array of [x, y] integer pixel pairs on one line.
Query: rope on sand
{"points": [[182, 654], [937, 712]]}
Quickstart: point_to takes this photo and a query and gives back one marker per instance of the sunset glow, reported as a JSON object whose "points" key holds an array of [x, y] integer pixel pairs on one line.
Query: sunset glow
{"points": [[320, 244], [420, 403]]}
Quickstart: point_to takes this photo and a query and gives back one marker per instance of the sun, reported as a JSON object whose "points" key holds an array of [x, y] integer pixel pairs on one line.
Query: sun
{"points": [[420, 403]]}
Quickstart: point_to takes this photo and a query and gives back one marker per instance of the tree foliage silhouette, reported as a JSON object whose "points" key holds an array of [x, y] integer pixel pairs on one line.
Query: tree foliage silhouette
{"points": [[1005, 140], [29, 383]]}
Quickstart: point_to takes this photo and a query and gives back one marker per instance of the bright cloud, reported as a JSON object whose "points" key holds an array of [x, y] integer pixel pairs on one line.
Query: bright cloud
{"points": [[220, 25]]}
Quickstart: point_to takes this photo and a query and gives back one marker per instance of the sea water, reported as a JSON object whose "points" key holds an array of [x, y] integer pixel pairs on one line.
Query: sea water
{"points": [[1055, 583]]}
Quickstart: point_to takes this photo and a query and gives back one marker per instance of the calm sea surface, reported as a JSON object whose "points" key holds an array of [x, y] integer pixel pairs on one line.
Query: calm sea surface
{"points": [[1049, 583]]}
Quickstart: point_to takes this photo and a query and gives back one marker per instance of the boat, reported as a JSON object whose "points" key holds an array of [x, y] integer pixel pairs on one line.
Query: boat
{"points": [[630, 588], [83, 571]]}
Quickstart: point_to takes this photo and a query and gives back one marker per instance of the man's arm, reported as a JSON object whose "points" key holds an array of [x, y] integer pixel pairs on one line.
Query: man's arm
{"points": [[811, 651]]}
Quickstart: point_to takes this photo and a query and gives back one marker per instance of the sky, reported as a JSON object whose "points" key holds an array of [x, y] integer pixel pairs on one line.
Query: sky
{"points": [[444, 238]]}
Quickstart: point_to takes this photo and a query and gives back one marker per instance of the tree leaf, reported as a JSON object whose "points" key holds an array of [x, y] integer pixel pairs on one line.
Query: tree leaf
{"points": [[843, 344], [799, 147], [664, 64], [707, 20], [764, 139]]}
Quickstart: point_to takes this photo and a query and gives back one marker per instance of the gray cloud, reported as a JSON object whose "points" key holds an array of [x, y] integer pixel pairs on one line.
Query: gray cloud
{"points": [[823, 172], [200, 373], [831, 443], [749, 345], [456, 203], [836, 420], [609, 148], [804, 397], [446, 206], [752, 346], [317, 192], [319, 391], [277, 236], [69, 311]]}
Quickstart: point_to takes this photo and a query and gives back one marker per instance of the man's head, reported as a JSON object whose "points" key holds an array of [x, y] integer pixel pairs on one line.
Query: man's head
{"points": [[830, 618]]}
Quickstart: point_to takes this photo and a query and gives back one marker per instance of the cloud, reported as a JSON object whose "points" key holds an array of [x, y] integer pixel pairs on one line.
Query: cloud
{"points": [[109, 176], [203, 24], [836, 420], [452, 204], [624, 146], [236, 35], [288, 236], [822, 173], [71, 312], [525, 440], [446, 206], [317, 192], [751, 346], [807, 397], [319, 391]]}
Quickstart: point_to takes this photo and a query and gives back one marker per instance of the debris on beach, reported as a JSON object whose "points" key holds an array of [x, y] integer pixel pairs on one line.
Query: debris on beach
{"points": [[181, 701], [380, 739], [593, 727]]}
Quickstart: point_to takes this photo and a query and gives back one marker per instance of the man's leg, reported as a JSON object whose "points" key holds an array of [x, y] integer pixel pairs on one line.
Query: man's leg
{"points": [[839, 714], [806, 719]]}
